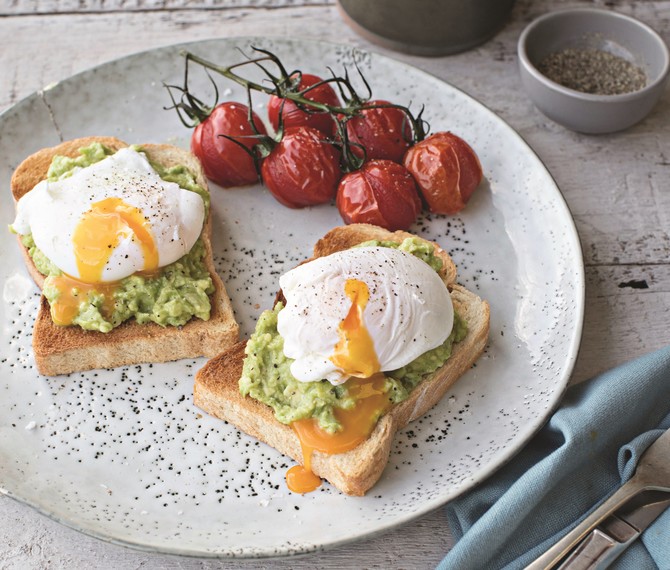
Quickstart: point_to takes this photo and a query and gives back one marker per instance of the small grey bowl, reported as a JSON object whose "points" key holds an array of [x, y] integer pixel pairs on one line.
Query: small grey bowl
{"points": [[587, 28]]}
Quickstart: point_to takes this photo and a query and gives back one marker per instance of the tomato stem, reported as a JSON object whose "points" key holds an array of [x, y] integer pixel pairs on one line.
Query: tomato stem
{"points": [[280, 86], [285, 85]]}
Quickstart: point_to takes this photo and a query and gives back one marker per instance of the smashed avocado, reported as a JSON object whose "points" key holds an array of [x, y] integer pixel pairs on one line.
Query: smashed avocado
{"points": [[172, 297], [418, 247], [266, 374], [43, 264], [64, 166], [181, 291]]}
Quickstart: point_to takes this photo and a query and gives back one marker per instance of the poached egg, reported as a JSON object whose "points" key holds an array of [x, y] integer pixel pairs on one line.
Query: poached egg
{"points": [[361, 311], [111, 219]]}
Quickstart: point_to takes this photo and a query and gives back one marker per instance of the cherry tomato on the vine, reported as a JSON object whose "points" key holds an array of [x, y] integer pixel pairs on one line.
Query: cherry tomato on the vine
{"points": [[223, 160], [384, 132], [446, 169], [294, 116], [381, 192], [303, 169]]}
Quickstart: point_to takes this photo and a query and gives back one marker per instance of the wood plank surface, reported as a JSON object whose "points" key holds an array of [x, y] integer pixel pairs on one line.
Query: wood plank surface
{"points": [[22, 7], [617, 187]]}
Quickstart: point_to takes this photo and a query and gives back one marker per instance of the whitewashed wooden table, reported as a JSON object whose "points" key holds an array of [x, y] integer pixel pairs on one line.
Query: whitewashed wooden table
{"points": [[617, 187]]}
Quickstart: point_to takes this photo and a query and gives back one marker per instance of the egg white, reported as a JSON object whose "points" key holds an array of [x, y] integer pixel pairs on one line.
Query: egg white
{"points": [[409, 310], [52, 210]]}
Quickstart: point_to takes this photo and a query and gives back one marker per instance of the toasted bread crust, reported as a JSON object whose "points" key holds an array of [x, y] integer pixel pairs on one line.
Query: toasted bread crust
{"points": [[216, 388], [62, 350]]}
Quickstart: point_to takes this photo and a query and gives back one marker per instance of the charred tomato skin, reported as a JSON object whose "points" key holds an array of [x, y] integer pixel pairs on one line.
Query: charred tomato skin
{"points": [[303, 169], [447, 171], [384, 132], [224, 161], [381, 192]]}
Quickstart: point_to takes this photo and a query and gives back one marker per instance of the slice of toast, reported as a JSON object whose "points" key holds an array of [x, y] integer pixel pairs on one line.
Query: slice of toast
{"points": [[66, 349], [217, 392]]}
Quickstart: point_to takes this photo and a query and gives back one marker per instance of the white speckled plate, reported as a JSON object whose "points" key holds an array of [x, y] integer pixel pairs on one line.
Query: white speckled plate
{"points": [[125, 456]]}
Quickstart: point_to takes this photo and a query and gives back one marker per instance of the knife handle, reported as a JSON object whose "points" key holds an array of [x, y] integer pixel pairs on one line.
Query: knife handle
{"points": [[596, 552], [563, 547]]}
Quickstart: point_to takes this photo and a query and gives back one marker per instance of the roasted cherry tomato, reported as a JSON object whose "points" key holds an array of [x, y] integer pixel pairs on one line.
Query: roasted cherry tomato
{"points": [[447, 171], [223, 160], [384, 132], [303, 169], [381, 192], [294, 116]]}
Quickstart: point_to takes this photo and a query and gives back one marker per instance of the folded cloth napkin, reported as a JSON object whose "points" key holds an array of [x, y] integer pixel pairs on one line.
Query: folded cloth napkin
{"points": [[587, 449]]}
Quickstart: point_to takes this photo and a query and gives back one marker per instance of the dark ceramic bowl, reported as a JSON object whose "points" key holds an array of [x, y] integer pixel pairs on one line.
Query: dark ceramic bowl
{"points": [[604, 30], [426, 27]]}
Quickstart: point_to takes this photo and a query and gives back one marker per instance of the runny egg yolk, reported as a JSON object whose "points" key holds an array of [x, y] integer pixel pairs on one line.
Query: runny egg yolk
{"points": [[73, 292], [355, 354], [357, 424], [96, 236], [98, 232]]}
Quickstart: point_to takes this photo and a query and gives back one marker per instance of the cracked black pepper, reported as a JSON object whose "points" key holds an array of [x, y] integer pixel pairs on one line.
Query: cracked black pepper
{"points": [[593, 71]]}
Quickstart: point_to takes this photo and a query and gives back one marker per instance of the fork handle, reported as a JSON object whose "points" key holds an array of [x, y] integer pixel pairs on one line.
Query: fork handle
{"points": [[558, 552]]}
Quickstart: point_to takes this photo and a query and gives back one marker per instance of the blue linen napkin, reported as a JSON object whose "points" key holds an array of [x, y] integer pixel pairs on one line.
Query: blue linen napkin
{"points": [[587, 449]]}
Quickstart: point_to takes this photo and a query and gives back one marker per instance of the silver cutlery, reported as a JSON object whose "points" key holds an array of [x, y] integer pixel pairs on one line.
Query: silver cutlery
{"points": [[604, 534]]}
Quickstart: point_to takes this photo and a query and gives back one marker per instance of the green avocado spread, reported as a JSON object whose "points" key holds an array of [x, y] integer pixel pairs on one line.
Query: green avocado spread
{"points": [[416, 246], [266, 374], [64, 166], [179, 292]]}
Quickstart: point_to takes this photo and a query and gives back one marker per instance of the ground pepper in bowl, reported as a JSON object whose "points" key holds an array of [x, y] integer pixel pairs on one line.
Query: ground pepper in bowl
{"points": [[593, 71]]}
